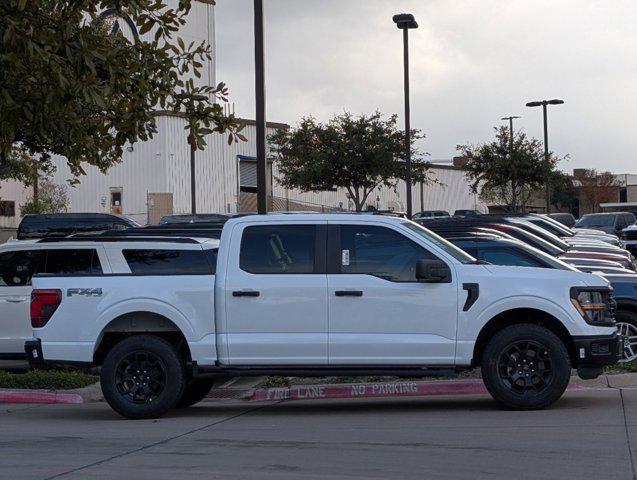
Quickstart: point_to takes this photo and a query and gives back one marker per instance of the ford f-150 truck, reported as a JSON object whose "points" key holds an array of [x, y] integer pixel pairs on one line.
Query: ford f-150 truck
{"points": [[316, 295]]}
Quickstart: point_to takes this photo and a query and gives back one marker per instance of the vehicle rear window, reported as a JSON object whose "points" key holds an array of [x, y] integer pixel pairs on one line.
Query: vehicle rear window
{"points": [[277, 249], [65, 261], [17, 267], [171, 262]]}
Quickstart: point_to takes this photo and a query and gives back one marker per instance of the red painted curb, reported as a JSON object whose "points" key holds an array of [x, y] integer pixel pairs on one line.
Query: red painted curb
{"points": [[374, 390], [21, 396]]}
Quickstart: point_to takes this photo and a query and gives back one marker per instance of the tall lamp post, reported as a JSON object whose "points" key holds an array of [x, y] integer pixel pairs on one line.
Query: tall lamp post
{"points": [[405, 22], [543, 104], [510, 119], [259, 84]]}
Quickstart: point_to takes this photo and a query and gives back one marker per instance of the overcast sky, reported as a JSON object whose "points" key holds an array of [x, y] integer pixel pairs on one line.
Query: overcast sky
{"points": [[472, 62]]}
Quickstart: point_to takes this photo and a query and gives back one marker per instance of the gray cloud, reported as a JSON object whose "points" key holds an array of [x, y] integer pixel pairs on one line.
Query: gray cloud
{"points": [[472, 62]]}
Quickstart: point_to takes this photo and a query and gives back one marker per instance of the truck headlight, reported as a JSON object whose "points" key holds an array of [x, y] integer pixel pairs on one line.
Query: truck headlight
{"points": [[595, 305]]}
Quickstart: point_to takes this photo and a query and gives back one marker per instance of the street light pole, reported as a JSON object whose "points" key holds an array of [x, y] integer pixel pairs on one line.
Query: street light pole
{"points": [[510, 119], [547, 185], [259, 87], [543, 104], [405, 22]]}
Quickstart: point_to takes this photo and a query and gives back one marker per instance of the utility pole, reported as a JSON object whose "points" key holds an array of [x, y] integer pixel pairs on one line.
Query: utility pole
{"points": [[259, 87]]}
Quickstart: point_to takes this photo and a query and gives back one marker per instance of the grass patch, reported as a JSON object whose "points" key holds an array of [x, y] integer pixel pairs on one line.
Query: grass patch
{"points": [[46, 380], [623, 367], [274, 381]]}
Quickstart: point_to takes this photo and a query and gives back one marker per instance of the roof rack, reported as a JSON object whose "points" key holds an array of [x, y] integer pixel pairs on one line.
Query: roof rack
{"points": [[103, 238]]}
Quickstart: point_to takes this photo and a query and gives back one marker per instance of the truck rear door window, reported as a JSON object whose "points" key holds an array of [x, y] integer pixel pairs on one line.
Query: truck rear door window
{"points": [[278, 249], [65, 261], [169, 262]]}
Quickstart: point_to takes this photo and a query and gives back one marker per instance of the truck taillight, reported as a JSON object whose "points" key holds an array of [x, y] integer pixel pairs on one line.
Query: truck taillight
{"points": [[44, 303]]}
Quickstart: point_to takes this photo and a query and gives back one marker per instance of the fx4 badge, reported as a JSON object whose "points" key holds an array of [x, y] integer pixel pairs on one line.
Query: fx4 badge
{"points": [[87, 292]]}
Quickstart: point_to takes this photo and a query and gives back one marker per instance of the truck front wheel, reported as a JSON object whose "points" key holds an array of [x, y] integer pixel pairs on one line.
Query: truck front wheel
{"points": [[525, 367], [142, 377]]}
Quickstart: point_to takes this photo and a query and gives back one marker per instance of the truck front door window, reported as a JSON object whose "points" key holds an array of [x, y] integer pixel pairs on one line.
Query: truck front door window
{"points": [[381, 252]]}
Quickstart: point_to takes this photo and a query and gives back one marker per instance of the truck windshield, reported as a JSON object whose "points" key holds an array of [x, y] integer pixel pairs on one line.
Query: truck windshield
{"points": [[440, 242]]}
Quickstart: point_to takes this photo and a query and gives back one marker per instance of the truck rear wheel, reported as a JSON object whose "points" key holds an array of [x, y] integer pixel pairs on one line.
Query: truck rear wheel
{"points": [[525, 367], [142, 377], [195, 391]]}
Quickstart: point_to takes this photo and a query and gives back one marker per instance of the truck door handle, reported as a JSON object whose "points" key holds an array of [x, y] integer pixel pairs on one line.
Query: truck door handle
{"points": [[245, 293], [348, 293]]}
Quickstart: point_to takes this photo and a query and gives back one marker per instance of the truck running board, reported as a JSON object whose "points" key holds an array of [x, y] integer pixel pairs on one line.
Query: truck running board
{"points": [[326, 371]]}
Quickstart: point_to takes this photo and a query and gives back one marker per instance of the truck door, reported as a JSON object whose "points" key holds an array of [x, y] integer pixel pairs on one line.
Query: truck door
{"points": [[16, 269], [379, 313], [276, 294]]}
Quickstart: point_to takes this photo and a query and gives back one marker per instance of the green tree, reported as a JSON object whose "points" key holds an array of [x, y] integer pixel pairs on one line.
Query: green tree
{"points": [[52, 198], [69, 86], [563, 192], [508, 174], [355, 153]]}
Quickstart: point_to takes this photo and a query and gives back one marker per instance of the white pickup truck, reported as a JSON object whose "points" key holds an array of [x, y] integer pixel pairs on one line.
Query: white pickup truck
{"points": [[315, 295]]}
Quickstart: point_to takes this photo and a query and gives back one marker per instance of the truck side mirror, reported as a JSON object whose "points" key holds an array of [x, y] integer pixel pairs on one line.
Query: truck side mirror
{"points": [[432, 271]]}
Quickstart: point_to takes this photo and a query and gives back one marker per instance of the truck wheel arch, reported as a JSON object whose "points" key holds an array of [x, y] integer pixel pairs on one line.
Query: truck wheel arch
{"points": [[517, 316], [138, 323]]}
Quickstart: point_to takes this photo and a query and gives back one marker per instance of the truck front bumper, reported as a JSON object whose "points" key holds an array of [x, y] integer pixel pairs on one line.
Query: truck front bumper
{"points": [[595, 352]]}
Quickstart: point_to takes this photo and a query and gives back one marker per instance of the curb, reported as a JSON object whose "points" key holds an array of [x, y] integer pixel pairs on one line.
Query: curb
{"points": [[91, 393], [39, 396], [377, 390]]}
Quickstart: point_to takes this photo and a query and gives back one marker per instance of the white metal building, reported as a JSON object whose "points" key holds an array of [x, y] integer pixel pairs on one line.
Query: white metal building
{"points": [[12, 196], [153, 178]]}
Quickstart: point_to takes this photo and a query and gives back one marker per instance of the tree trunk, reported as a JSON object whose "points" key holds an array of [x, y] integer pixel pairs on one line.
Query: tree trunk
{"points": [[35, 185]]}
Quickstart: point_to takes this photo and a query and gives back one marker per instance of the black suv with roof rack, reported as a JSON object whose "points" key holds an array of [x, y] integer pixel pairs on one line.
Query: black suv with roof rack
{"points": [[35, 226]]}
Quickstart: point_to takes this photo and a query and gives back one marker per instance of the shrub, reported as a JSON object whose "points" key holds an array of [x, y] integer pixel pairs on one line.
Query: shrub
{"points": [[46, 380]]}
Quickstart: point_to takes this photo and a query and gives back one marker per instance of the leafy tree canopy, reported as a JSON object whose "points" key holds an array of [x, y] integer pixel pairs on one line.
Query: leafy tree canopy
{"points": [[595, 187], [510, 173], [355, 153], [52, 198], [70, 87]]}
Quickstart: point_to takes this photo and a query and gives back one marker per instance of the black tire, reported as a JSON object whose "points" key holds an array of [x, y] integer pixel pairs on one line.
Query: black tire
{"points": [[195, 391], [627, 326], [142, 377], [525, 367]]}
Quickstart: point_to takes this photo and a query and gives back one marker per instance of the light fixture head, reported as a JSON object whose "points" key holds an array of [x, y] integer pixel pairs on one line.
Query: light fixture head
{"points": [[405, 21]]}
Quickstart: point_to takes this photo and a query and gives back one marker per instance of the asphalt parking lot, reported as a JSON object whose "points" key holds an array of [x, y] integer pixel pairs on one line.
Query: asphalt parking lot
{"points": [[588, 434]]}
